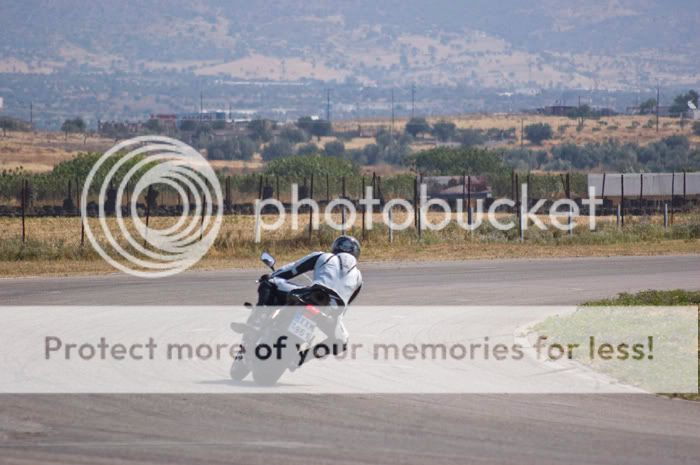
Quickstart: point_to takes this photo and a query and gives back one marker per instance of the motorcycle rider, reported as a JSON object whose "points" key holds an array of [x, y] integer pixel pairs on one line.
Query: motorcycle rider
{"points": [[336, 283]]}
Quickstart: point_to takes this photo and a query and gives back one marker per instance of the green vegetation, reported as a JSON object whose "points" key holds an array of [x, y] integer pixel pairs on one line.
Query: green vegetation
{"points": [[444, 130], [73, 125], [315, 127], [680, 103], [651, 297], [568, 327], [673, 153], [233, 148], [301, 166], [417, 126], [536, 133]]}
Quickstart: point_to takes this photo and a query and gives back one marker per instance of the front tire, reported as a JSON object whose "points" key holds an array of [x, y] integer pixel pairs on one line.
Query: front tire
{"points": [[239, 367], [267, 372]]}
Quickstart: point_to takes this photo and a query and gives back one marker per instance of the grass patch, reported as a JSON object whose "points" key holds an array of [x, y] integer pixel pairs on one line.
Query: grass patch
{"points": [[53, 244], [563, 328]]}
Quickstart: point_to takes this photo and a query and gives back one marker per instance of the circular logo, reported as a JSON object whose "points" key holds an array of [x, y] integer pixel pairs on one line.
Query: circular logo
{"points": [[151, 161]]}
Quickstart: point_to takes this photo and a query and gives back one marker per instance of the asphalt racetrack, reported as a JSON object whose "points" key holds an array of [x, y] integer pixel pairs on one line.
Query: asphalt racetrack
{"points": [[367, 428]]}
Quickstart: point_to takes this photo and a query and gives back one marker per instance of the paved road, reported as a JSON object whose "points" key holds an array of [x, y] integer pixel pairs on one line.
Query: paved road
{"points": [[605, 429]]}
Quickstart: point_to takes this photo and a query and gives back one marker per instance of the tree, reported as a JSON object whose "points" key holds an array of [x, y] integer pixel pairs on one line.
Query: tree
{"points": [[444, 130], [307, 149], [680, 103], [237, 148], [303, 166], [277, 149], [455, 161], [294, 135], [188, 125], [471, 137], [417, 126], [260, 130], [334, 148], [536, 133], [75, 125], [696, 128], [153, 125], [648, 107], [320, 128], [315, 127]]}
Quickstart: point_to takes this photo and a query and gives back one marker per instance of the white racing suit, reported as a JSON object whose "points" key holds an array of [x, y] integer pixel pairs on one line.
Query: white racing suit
{"points": [[336, 273]]}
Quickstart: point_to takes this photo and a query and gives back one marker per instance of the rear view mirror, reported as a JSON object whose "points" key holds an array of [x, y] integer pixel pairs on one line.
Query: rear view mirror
{"points": [[268, 260]]}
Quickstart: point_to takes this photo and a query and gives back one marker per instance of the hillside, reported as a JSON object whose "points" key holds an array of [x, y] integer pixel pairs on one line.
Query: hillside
{"points": [[614, 44]]}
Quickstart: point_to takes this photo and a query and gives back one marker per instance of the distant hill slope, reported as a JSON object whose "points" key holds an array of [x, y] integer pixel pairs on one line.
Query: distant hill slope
{"points": [[616, 44]]}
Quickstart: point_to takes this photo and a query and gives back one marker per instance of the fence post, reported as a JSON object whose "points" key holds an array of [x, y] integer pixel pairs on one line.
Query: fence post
{"points": [[82, 219], [277, 186], [602, 194], [622, 200], [419, 210], [342, 207], [673, 193], [469, 201], [148, 214], [641, 193], [518, 215], [568, 196], [415, 202], [260, 188], [228, 193], [665, 216], [201, 222], [24, 207], [311, 210], [685, 198], [391, 229], [364, 210]]}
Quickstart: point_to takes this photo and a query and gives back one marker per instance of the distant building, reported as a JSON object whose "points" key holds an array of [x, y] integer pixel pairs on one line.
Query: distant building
{"points": [[557, 110], [209, 116], [167, 121]]}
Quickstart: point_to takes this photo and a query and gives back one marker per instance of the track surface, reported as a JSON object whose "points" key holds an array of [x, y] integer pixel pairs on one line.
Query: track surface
{"points": [[421, 429]]}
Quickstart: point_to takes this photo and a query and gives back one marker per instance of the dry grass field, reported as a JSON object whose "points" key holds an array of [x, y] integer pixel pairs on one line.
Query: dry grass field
{"points": [[40, 151], [53, 244], [622, 128]]}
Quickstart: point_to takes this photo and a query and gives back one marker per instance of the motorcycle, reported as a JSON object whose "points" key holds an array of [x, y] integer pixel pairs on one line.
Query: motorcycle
{"points": [[276, 338]]}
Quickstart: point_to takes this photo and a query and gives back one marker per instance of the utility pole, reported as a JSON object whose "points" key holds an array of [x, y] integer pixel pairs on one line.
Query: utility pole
{"points": [[31, 114], [413, 100], [658, 95], [522, 132], [392, 109], [201, 102], [328, 105], [391, 128], [580, 116]]}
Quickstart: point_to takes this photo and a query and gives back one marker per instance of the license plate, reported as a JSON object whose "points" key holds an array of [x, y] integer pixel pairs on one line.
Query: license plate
{"points": [[302, 327]]}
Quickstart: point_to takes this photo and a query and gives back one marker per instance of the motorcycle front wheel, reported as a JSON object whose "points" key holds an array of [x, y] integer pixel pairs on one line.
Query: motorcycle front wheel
{"points": [[239, 367], [266, 372]]}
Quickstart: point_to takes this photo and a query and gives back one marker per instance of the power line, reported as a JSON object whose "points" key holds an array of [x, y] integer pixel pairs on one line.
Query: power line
{"points": [[658, 93]]}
